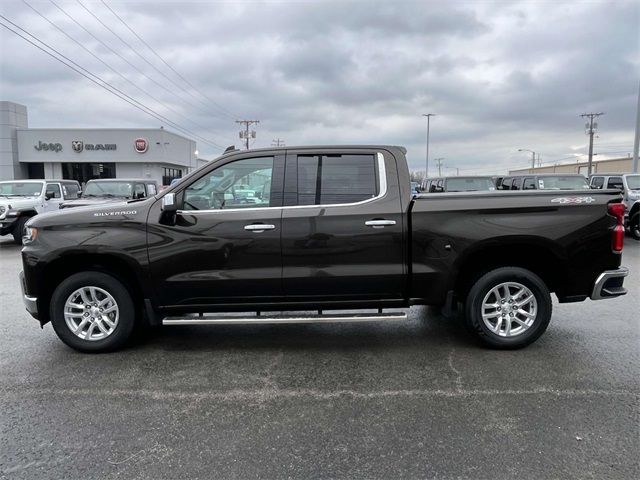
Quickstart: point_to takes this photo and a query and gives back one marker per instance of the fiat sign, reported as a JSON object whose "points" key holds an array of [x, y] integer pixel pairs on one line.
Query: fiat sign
{"points": [[141, 145]]}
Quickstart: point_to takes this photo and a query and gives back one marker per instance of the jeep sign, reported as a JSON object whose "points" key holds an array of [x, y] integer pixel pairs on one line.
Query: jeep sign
{"points": [[54, 147]]}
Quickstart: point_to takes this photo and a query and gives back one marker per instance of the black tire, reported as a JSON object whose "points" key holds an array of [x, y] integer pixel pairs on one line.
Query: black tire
{"points": [[482, 287], [116, 289], [18, 230], [634, 226]]}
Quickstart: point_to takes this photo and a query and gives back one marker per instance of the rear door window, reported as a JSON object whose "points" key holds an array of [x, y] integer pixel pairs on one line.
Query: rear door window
{"points": [[70, 190], [529, 183], [615, 182], [336, 179], [597, 182]]}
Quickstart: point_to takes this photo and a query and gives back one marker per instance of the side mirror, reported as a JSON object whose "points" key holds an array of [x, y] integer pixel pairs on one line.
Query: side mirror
{"points": [[169, 203], [48, 195]]}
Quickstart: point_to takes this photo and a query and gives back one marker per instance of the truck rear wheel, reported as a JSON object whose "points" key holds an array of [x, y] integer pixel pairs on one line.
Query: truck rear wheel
{"points": [[92, 312], [634, 225], [508, 308]]}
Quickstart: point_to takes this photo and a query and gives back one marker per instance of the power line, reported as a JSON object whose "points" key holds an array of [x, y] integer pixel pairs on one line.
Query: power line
{"points": [[111, 68], [100, 82], [217, 105], [142, 57], [108, 47]]}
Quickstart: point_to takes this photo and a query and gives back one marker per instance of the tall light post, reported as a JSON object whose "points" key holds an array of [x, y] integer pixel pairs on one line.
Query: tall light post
{"points": [[636, 142], [533, 158], [428, 115]]}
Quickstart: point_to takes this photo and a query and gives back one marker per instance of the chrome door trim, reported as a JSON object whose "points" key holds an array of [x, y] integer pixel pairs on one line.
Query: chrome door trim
{"points": [[382, 183]]}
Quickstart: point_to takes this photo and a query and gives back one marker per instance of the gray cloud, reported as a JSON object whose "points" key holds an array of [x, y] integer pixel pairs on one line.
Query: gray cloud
{"points": [[499, 76]]}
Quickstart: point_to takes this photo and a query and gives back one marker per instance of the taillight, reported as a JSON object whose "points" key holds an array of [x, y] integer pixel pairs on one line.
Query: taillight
{"points": [[617, 236]]}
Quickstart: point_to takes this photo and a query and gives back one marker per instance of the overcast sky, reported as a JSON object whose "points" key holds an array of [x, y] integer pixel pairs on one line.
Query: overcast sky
{"points": [[499, 75]]}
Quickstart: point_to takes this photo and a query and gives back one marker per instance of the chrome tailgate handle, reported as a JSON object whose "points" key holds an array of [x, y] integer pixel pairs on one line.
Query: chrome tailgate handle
{"points": [[379, 223], [259, 227]]}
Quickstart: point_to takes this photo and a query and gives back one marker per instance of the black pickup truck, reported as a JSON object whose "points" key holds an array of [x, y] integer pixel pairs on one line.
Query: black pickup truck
{"points": [[331, 230]]}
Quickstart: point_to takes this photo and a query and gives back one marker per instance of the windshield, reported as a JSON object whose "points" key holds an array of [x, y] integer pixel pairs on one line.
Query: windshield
{"points": [[633, 181], [469, 184], [563, 183], [108, 189], [21, 189]]}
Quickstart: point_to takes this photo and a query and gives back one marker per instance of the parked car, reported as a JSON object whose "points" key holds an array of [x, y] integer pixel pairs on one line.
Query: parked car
{"points": [[629, 185], [415, 188], [460, 184], [23, 199], [337, 230], [110, 190], [545, 181]]}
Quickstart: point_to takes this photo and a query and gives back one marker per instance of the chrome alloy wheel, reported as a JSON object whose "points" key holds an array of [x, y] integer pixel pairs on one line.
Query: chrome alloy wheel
{"points": [[509, 309], [91, 313]]}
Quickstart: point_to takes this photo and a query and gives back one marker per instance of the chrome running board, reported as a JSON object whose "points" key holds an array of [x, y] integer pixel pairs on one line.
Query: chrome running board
{"points": [[282, 319]]}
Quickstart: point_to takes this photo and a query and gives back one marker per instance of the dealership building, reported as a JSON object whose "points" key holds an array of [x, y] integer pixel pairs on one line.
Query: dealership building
{"points": [[85, 153]]}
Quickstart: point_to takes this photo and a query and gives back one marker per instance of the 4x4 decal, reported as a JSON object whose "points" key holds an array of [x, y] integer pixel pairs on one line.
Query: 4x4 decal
{"points": [[573, 200]]}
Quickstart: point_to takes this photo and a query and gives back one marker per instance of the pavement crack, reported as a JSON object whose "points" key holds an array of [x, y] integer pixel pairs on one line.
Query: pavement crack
{"points": [[270, 394]]}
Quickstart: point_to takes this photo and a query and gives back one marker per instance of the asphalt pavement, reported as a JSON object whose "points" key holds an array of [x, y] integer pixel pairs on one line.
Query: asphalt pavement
{"points": [[415, 399]]}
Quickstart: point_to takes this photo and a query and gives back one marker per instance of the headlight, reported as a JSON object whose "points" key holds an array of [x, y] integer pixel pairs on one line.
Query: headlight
{"points": [[30, 235]]}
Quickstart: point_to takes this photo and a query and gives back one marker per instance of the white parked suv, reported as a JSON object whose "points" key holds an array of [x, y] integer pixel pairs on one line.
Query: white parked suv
{"points": [[629, 184], [22, 199]]}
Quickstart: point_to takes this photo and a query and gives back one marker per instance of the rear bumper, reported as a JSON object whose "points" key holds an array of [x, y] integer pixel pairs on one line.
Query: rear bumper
{"points": [[30, 303], [609, 284]]}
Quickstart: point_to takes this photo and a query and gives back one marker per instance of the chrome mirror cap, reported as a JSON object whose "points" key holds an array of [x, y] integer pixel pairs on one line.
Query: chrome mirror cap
{"points": [[169, 203]]}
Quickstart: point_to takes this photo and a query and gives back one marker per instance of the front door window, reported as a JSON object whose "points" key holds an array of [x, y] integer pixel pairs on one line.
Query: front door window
{"points": [[241, 184]]}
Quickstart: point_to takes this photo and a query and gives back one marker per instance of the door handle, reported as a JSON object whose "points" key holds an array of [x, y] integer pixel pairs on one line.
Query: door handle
{"points": [[259, 227], [379, 223]]}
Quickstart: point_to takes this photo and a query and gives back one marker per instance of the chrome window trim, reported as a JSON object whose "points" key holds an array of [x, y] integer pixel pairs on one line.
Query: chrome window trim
{"points": [[382, 184]]}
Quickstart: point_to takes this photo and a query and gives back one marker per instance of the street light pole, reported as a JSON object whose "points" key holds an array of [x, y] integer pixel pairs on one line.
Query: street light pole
{"points": [[533, 158], [428, 115]]}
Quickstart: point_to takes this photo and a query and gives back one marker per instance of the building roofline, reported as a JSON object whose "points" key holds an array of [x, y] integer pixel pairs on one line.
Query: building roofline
{"points": [[84, 129]]}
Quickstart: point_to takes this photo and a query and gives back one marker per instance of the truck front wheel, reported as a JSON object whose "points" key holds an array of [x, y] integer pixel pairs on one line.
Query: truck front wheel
{"points": [[92, 312], [508, 308], [18, 230]]}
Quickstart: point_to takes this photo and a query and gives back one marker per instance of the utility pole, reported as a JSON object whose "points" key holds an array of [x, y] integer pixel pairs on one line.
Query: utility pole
{"points": [[277, 143], [428, 115], [439, 163], [246, 134], [533, 158], [590, 129]]}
